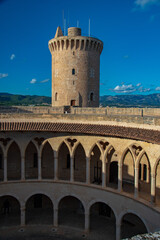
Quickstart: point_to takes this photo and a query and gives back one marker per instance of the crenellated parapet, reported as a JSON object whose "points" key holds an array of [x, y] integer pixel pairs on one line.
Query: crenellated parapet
{"points": [[75, 43]]}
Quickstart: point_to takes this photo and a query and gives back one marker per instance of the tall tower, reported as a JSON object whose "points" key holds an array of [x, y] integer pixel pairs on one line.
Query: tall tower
{"points": [[75, 69]]}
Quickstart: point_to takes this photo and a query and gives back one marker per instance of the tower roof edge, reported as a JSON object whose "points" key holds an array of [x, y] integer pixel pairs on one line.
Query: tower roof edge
{"points": [[59, 32]]}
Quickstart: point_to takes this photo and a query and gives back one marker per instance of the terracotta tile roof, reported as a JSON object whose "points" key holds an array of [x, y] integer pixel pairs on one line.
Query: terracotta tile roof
{"points": [[147, 135]]}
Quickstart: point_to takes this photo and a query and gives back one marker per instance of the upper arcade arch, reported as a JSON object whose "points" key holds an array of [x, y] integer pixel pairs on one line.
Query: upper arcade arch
{"points": [[31, 161]]}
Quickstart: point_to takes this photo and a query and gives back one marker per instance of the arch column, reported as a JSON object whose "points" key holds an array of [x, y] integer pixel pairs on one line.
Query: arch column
{"points": [[39, 167], [153, 188], [22, 168], [103, 172], [136, 182], [55, 216], [23, 214], [88, 170], [118, 231], [72, 169], [87, 221], [5, 168], [120, 177], [55, 166]]}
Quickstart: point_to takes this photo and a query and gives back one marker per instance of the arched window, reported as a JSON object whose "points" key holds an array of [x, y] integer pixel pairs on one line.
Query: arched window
{"points": [[73, 71], [91, 96], [56, 95]]}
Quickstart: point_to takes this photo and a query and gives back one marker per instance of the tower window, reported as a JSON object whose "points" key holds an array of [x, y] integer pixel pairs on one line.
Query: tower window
{"points": [[56, 95], [35, 160], [92, 73], [73, 71], [91, 97]]}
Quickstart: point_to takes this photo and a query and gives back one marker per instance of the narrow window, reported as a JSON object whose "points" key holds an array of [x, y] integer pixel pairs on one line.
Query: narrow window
{"points": [[91, 97], [68, 160], [0, 161], [35, 160], [73, 71], [144, 172], [56, 95]]}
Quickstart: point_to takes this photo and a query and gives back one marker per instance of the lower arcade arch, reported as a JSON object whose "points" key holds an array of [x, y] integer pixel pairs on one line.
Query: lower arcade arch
{"points": [[132, 225], [39, 210], [102, 220], [71, 212], [9, 211]]}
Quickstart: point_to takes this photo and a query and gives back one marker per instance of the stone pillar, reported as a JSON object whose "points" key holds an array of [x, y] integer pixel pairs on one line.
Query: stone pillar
{"points": [[5, 168], [107, 173], [71, 169], [120, 177], [39, 168], [55, 217], [87, 222], [23, 213], [22, 168], [118, 231], [55, 167], [87, 170], [153, 188], [136, 181], [103, 173]]}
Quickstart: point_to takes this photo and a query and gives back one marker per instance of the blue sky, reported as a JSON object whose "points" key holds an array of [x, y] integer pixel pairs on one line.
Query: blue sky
{"points": [[129, 29]]}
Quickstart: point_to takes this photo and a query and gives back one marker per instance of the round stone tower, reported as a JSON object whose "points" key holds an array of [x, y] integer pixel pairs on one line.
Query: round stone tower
{"points": [[75, 69]]}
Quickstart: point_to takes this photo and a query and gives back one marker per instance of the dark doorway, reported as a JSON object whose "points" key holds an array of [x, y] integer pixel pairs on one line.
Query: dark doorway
{"points": [[73, 103]]}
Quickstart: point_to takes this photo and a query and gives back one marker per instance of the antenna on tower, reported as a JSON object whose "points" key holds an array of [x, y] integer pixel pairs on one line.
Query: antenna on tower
{"points": [[77, 23], [89, 28], [68, 20], [64, 24]]}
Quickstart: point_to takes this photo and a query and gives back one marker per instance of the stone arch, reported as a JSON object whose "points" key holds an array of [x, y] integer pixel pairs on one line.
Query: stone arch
{"points": [[102, 219], [13, 162], [64, 161], [132, 224], [39, 209], [157, 179], [96, 165], [79, 163], [71, 212], [1, 163], [47, 161], [31, 161], [128, 171], [9, 211], [144, 176]]}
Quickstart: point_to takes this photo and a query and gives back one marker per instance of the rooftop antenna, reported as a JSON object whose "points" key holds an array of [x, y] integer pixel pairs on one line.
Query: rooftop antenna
{"points": [[68, 20], [63, 20], [64, 24], [89, 28], [77, 23]]}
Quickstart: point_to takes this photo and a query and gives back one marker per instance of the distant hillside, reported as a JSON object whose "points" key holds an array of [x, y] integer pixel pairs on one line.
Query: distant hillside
{"points": [[7, 99], [152, 100]]}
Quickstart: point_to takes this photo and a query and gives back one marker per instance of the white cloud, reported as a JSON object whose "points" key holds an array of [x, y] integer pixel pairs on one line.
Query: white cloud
{"points": [[142, 89], [12, 56], [124, 88], [144, 3], [45, 80], [3, 75], [138, 84], [33, 81], [157, 89]]}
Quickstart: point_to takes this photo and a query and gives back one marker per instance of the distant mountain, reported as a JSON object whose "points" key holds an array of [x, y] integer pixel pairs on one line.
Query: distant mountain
{"points": [[152, 100], [7, 99]]}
